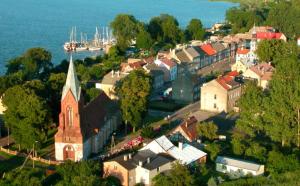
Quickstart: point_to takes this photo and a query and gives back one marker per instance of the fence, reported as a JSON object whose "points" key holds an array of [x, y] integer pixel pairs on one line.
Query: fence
{"points": [[38, 159]]}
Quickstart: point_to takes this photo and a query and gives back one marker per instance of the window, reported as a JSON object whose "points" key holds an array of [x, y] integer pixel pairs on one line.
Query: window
{"points": [[158, 169], [69, 116], [215, 96], [215, 105]]}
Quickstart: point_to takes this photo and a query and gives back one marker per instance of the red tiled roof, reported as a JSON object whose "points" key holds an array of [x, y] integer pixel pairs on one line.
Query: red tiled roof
{"points": [[242, 51], [264, 70], [189, 127], [226, 80], [208, 49], [233, 73], [168, 62], [268, 35], [138, 64]]}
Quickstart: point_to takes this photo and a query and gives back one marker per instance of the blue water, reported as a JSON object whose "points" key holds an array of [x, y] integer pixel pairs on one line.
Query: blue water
{"points": [[46, 23]]}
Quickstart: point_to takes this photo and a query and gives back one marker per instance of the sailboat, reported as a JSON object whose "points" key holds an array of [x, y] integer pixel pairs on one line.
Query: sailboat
{"points": [[82, 46], [96, 43], [71, 45]]}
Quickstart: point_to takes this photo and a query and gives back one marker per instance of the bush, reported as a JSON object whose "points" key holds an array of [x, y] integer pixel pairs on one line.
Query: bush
{"points": [[280, 163], [148, 132]]}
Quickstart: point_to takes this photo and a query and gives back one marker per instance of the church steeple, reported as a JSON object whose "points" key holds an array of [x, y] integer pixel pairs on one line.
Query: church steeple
{"points": [[72, 82]]}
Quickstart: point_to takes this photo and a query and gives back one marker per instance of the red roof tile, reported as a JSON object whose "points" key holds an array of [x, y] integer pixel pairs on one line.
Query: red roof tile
{"points": [[189, 128], [242, 51], [208, 49], [233, 73], [168, 62], [228, 79], [268, 35]]}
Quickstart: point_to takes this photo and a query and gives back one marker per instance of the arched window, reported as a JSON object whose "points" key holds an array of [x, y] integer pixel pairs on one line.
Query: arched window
{"points": [[69, 116]]}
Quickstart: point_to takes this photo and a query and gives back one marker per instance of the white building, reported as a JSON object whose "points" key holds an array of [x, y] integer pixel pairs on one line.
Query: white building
{"points": [[168, 64], [184, 153], [238, 167]]}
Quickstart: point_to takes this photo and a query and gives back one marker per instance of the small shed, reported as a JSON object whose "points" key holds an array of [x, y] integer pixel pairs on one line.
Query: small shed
{"points": [[238, 167]]}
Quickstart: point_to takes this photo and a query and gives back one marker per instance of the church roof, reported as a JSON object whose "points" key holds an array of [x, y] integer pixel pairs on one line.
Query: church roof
{"points": [[72, 82]]}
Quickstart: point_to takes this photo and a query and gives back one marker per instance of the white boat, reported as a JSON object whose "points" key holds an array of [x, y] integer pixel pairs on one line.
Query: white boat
{"points": [[96, 43], [73, 45]]}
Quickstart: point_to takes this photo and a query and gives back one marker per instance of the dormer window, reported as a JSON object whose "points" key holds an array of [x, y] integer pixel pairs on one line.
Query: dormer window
{"points": [[69, 116]]}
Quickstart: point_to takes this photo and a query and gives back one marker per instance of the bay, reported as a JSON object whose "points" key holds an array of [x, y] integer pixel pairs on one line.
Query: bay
{"points": [[47, 23]]}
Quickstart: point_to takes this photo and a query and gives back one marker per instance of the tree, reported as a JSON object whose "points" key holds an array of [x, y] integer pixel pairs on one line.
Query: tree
{"points": [[256, 151], [213, 150], [195, 30], [55, 85], [179, 175], [92, 93], [281, 112], [144, 40], [27, 115], [80, 173], [268, 50], [148, 132], [285, 17], [243, 19], [125, 29], [34, 63], [164, 28], [133, 92], [16, 177], [208, 130], [251, 106]]}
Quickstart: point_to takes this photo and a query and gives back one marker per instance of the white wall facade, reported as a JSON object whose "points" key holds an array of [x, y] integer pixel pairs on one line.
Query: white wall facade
{"points": [[59, 151], [213, 97], [241, 171]]}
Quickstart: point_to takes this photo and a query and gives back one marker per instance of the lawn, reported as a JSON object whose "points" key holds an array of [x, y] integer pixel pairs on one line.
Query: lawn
{"points": [[9, 162]]}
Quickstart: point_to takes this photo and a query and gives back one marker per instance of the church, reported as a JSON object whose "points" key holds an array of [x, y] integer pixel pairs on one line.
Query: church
{"points": [[83, 128]]}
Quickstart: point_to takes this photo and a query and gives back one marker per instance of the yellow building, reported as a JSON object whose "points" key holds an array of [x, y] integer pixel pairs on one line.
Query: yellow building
{"points": [[108, 83]]}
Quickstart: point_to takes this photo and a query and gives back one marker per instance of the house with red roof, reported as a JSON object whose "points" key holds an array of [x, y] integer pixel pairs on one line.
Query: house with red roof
{"points": [[262, 73], [269, 36], [221, 94], [186, 131], [168, 64]]}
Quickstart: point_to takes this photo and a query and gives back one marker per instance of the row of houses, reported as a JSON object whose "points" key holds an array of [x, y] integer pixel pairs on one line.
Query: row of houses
{"points": [[154, 158]]}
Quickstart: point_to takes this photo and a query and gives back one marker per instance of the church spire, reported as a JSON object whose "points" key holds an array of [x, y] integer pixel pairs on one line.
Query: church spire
{"points": [[72, 82]]}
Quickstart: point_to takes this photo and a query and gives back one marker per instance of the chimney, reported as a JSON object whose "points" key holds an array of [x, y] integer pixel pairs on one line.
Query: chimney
{"points": [[118, 73], [180, 146], [125, 158], [112, 73], [130, 156], [269, 63], [140, 163], [186, 124], [148, 160]]}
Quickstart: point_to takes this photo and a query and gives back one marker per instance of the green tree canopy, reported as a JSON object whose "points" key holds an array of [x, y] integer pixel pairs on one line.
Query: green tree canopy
{"points": [[207, 130], [268, 50], [81, 173], [34, 63], [27, 115], [195, 30], [125, 29], [133, 92], [285, 17], [179, 175], [144, 40]]}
